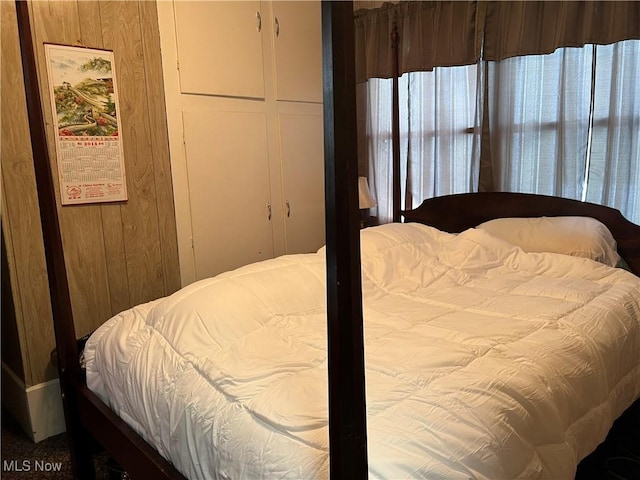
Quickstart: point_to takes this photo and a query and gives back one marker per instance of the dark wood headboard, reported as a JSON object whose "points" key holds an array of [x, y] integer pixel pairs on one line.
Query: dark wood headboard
{"points": [[455, 213]]}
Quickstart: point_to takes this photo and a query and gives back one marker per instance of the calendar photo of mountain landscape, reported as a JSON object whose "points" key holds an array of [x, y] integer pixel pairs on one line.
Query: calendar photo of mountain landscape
{"points": [[83, 90]]}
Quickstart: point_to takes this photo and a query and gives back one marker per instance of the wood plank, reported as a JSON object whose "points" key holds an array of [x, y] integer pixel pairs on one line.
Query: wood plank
{"points": [[91, 36], [121, 33], [160, 146], [25, 252]]}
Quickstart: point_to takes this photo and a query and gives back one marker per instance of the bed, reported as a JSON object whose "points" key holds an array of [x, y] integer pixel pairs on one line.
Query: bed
{"points": [[138, 441], [482, 360]]}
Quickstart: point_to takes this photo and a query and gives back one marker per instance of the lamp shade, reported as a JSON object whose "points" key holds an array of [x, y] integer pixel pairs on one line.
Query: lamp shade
{"points": [[365, 199]]}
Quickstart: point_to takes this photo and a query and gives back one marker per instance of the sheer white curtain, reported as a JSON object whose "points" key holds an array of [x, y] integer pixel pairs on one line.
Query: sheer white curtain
{"points": [[440, 135], [440, 113], [539, 121], [614, 162], [568, 124], [378, 134]]}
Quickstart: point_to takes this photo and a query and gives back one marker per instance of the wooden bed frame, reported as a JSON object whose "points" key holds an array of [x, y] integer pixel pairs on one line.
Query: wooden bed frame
{"points": [[91, 424]]}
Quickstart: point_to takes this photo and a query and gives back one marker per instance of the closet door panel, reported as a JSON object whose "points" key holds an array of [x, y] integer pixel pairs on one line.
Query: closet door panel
{"points": [[297, 39], [228, 173], [220, 48], [302, 155]]}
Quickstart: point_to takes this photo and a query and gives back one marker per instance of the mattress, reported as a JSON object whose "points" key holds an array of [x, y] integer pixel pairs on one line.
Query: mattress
{"points": [[482, 361]]}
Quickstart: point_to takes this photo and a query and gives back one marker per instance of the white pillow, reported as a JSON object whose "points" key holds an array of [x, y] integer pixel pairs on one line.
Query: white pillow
{"points": [[576, 236]]}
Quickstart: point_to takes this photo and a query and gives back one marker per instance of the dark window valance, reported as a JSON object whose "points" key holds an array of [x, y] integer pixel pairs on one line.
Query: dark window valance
{"points": [[534, 28], [451, 33], [431, 34]]}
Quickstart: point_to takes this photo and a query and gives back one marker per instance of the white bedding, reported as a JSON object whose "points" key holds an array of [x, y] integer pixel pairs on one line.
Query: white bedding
{"points": [[482, 362]]}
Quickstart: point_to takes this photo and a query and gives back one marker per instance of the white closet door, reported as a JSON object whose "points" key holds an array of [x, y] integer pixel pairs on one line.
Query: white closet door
{"points": [[220, 48], [302, 153], [298, 50], [228, 169]]}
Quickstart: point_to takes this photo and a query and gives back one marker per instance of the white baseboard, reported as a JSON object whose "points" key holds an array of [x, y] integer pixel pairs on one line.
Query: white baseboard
{"points": [[38, 408], [45, 407]]}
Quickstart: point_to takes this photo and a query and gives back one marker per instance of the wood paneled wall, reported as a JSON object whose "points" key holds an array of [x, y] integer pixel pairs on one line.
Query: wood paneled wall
{"points": [[117, 254]]}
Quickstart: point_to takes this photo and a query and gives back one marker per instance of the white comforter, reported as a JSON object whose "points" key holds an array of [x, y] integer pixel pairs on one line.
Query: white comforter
{"points": [[482, 362]]}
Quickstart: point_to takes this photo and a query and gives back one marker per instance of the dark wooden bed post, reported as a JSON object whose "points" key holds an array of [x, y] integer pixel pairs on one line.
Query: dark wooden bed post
{"points": [[67, 352], [347, 402], [395, 123]]}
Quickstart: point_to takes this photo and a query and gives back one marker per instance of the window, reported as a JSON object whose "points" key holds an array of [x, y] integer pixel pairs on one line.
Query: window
{"points": [[440, 133], [564, 124]]}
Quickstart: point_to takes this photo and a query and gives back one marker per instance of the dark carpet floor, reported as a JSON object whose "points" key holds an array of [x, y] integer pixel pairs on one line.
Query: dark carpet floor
{"points": [[46, 460], [618, 458]]}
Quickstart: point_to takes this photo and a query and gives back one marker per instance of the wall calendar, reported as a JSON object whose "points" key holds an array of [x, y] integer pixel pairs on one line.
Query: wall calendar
{"points": [[84, 99]]}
